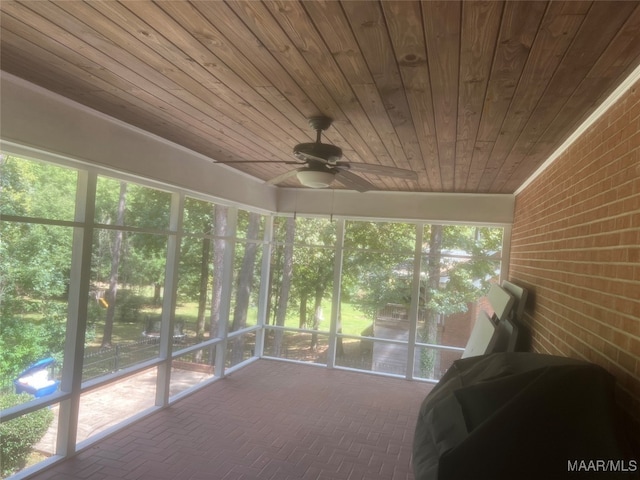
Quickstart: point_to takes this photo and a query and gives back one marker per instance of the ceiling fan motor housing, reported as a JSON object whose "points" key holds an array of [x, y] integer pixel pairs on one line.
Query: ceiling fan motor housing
{"points": [[318, 151], [322, 151]]}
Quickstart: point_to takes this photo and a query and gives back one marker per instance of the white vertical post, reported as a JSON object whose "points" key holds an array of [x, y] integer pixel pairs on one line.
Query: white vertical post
{"points": [[335, 299], [79, 286], [415, 301], [163, 380]]}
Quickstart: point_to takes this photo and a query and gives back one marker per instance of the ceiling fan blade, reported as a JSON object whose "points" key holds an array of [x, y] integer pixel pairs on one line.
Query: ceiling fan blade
{"points": [[288, 162], [284, 176], [351, 180], [380, 170]]}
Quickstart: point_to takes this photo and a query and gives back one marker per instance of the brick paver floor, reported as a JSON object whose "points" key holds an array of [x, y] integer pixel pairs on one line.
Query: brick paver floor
{"points": [[269, 420]]}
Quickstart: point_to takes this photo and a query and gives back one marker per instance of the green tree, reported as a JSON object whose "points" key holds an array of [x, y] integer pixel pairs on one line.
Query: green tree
{"points": [[380, 257], [34, 261], [313, 271], [196, 263], [285, 282], [116, 252], [302, 272], [245, 281], [21, 343], [203, 286], [430, 290], [461, 262], [148, 208], [458, 262], [221, 228]]}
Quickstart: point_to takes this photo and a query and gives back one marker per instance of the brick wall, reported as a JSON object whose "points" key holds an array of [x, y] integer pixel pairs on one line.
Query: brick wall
{"points": [[576, 246], [454, 331]]}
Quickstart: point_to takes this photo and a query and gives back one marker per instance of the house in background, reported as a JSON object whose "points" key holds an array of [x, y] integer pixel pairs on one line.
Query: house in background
{"points": [[524, 115]]}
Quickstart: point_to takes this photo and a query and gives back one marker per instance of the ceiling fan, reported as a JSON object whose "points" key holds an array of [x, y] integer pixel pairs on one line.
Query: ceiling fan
{"points": [[320, 164]]}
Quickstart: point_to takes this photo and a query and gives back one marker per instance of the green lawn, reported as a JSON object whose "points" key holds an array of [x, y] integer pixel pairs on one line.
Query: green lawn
{"points": [[354, 322]]}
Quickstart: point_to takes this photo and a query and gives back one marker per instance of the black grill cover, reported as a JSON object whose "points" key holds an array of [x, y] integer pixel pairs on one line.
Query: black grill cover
{"points": [[521, 416]]}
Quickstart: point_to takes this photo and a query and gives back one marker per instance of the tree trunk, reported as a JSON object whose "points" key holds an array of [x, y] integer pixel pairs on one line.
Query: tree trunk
{"points": [[272, 297], [303, 310], [157, 293], [285, 284], [430, 333], [204, 283], [317, 315], [219, 247], [339, 345], [243, 286], [116, 251]]}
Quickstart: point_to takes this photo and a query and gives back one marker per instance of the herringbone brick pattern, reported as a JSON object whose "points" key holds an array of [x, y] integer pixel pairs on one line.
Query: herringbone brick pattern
{"points": [[270, 421]]}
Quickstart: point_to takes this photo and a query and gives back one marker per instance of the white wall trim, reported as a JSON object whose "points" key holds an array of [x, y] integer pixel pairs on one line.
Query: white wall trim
{"points": [[593, 118]]}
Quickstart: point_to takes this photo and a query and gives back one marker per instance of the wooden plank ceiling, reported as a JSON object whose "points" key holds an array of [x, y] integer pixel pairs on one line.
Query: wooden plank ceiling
{"points": [[473, 96]]}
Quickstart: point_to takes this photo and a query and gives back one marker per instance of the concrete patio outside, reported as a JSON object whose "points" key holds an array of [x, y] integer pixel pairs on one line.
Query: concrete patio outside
{"points": [[106, 406]]}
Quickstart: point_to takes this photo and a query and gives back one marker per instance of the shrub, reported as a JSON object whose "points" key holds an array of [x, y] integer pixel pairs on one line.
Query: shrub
{"points": [[21, 343], [129, 307], [18, 436]]}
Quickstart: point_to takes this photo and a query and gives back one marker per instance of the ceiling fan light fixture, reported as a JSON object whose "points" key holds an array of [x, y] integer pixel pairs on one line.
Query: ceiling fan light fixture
{"points": [[314, 178]]}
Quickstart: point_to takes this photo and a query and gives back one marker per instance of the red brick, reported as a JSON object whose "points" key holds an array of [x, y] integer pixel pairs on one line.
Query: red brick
{"points": [[576, 245], [269, 420]]}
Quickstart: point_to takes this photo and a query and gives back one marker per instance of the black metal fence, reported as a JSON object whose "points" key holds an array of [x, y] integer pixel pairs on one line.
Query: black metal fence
{"points": [[108, 360]]}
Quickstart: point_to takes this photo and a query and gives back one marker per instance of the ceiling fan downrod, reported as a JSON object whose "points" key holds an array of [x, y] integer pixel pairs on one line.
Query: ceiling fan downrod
{"points": [[320, 123]]}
